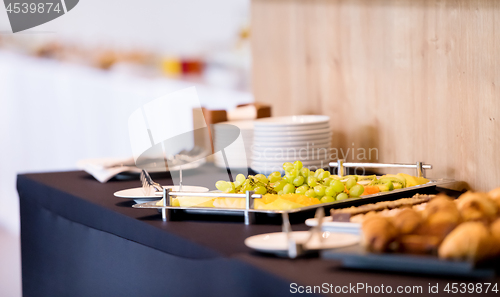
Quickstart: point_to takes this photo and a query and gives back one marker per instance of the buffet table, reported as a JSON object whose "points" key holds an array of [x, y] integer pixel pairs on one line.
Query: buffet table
{"points": [[79, 240]]}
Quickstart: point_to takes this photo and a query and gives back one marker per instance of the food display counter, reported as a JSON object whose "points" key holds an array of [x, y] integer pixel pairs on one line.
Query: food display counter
{"points": [[80, 240]]}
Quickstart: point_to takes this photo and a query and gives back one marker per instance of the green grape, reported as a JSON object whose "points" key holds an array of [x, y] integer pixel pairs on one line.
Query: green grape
{"points": [[305, 172], [298, 181], [337, 186], [352, 176], [279, 185], [231, 188], [288, 178], [260, 190], [356, 191], [262, 178], [287, 166], [324, 175], [246, 186], [350, 183], [327, 199], [302, 189], [297, 165], [342, 196], [310, 193], [318, 172], [237, 184], [280, 192], [327, 181], [294, 172], [289, 189], [240, 178], [222, 185], [319, 190], [330, 191], [312, 181], [274, 177]]}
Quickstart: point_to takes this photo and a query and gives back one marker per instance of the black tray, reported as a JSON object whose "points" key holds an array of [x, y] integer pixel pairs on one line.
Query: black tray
{"points": [[357, 258]]}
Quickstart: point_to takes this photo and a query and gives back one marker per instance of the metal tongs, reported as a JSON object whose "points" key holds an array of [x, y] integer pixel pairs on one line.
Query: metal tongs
{"points": [[148, 183], [296, 249]]}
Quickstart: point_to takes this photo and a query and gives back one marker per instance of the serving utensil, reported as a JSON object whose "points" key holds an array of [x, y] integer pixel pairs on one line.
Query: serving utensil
{"points": [[296, 249], [148, 183]]}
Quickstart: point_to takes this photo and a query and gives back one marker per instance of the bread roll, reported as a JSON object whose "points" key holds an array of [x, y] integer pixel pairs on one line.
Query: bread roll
{"points": [[469, 241], [407, 220], [378, 233], [477, 207], [495, 196]]}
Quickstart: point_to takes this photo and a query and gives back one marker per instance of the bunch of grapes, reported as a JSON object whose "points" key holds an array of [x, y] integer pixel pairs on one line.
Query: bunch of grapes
{"points": [[297, 179]]}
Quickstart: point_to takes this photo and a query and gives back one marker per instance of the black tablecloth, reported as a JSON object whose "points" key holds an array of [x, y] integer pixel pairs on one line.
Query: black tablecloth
{"points": [[79, 240]]}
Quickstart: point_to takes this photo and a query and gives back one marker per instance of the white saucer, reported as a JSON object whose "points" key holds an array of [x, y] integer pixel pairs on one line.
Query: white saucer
{"points": [[340, 227], [138, 195], [323, 131], [276, 243], [301, 120]]}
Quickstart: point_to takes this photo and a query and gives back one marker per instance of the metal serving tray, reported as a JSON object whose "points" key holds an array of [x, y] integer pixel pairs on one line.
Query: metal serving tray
{"points": [[249, 212]]}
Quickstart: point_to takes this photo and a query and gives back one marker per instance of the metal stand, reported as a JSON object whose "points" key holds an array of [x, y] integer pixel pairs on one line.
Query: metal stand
{"points": [[341, 165], [250, 196]]}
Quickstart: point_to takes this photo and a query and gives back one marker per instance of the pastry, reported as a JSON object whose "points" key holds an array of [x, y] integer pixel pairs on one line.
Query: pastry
{"points": [[378, 233], [495, 196], [477, 207], [418, 244], [469, 241], [407, 220]]}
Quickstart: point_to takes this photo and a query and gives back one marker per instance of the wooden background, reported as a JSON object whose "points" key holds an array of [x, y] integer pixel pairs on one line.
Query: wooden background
{"points": [[418, 80]]}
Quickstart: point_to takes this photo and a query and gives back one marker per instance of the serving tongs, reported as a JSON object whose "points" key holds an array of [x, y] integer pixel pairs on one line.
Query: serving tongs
{"points": [[297, 249], [148, 183]]}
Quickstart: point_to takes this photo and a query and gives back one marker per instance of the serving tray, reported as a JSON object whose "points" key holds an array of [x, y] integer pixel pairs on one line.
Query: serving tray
{"points": [[355, 257], [249, 212]]}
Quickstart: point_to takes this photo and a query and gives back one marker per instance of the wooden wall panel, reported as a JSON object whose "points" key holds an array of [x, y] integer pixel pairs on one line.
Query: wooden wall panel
{"points": [[418, 80]]}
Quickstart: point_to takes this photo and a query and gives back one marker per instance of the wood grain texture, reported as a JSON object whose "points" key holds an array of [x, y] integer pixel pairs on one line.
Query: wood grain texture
{"points": [[418, 80]]}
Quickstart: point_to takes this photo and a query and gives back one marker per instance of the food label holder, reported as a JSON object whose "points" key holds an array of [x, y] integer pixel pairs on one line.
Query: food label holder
{"points": [[342, 165]]}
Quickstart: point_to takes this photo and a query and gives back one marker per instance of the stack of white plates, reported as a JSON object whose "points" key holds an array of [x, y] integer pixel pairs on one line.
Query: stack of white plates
{"points": [[286, 139], [238, 152]]}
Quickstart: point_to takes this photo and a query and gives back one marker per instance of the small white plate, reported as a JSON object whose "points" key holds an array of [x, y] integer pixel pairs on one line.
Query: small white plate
{"points": [[300, 120], [340, 227], [291, 128], [262, 148], [276, 243], [304, 138], [324, 131], [138, 195]]}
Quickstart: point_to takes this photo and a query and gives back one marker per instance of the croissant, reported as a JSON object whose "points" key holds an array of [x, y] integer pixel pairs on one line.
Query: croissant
{"points": [[495, 232], [407, 220], [477, 207], [495, 196], [378, 233], [469, 241], [441, 203]]}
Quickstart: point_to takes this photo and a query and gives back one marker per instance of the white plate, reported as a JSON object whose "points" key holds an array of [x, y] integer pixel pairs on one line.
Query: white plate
{"points": [[323, 131], [277, 242], [285, 144], [292, 128], [277, 149], [304, 138], [137, 193], [301, 120], [341, 227], [263, 163]]}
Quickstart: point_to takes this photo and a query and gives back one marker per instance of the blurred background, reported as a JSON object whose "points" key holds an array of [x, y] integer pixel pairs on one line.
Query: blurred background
{"points": [[67, 87]]}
